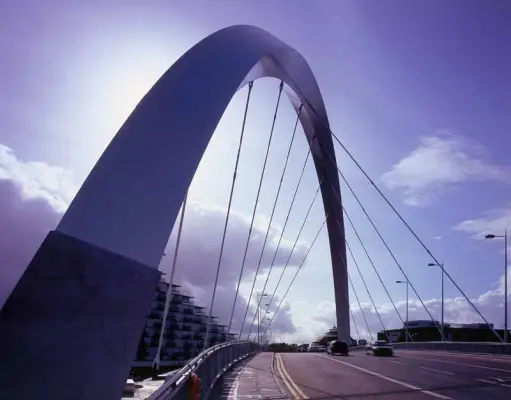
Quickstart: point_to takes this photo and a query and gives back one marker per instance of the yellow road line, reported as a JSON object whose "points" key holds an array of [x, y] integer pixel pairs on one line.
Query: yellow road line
{"points": [[276, 374], [278, 368], [301, 394]]}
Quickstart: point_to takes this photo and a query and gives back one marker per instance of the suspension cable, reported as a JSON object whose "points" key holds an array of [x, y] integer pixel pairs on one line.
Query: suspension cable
{"points": [[289, 257], [206, 339], [271, 218], [375, 269], [360, 307], [289, 211], [354, 321], [294, 277], [255, 205], [250, 85], [416, 236], [365, 285], [387, 247], [346, 294], [410, 229], [168, 297]]}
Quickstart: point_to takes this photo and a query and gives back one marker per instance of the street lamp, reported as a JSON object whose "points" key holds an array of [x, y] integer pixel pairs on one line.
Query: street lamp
{"points": [[406, 323], [504, 236], [441, 265], [259, 297], [264, 339]]}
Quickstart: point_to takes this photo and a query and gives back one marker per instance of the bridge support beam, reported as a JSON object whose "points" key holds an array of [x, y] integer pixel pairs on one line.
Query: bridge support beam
{"points": [[71, 327]]}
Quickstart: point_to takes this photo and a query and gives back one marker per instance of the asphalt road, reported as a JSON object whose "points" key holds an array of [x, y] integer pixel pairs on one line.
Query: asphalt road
{"points": [[408, 375]]}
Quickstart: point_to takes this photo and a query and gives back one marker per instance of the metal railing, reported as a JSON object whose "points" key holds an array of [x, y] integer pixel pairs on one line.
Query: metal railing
{"points": [[209, 366]]}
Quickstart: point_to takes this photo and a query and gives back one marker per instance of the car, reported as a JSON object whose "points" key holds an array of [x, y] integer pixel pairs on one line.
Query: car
{"points": [[337, 347], [302, 348], [380, 348], [315, 348]]}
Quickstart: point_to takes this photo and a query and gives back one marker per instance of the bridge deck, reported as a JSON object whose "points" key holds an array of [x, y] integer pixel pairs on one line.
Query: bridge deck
{"points": [[417, 375]]}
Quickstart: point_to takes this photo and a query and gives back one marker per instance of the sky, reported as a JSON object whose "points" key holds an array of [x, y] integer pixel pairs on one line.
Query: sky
{"points": [[419, 93]]}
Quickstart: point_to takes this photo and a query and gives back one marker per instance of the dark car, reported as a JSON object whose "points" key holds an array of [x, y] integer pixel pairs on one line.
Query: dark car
{"points": [[337, 347]]}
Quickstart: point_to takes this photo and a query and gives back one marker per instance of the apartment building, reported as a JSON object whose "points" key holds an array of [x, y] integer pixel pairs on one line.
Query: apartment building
{"points": [[184, 330]]}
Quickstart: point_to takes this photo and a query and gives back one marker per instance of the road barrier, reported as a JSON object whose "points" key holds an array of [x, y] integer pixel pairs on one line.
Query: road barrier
{"points": [[198, 377]]}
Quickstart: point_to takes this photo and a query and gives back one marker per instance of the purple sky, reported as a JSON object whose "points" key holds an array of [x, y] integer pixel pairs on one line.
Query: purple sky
{"points": [[421, 95]]}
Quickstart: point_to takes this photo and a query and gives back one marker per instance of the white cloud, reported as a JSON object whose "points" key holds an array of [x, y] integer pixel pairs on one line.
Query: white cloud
{"points": [[28, 188], [38, 180], [439, 163], [457, 310], [494, 221]]}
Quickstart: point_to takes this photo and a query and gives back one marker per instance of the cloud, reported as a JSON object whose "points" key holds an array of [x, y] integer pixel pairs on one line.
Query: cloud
{"points": [[23, 224], [38, 180], [494, 221], [458, 310], [33, 196], [439, 163], [198, 258]]}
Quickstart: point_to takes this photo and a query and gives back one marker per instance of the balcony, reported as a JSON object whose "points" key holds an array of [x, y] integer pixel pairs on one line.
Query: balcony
{"points": [[154, 315]]}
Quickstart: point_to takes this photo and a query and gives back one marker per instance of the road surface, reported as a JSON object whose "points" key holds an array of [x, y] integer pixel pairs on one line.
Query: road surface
{"points": [[416, 375]]}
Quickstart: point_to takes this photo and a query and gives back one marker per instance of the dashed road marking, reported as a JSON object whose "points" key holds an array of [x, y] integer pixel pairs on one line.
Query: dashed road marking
{"points": [[437, 370], [476, 356], [494, 383], [389, 379], [458, 363]]}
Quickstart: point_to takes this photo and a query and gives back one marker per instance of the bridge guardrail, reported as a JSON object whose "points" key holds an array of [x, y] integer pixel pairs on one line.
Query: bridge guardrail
{"points": [[460, 347], [208, 366]]}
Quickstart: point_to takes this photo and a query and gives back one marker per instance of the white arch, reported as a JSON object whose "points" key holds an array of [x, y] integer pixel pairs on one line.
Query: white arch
{"points": [[130, 200]]}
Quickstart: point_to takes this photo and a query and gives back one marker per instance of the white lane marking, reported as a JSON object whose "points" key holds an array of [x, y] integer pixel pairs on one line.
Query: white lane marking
{"points": [[494, 383], [387, 378], [462, 364], [396, 362], [437, 370]]}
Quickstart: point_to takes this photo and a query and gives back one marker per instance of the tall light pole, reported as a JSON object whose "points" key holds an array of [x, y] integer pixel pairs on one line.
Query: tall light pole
{"points": [[441, 265], [406, 323], [504, 236], [259, 296], [264, 339], [265, 318]]}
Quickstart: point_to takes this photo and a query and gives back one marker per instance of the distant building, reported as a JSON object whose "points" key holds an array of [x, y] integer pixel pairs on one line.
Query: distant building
{"points": [[420, 323], [427, 331], [184, 330]]}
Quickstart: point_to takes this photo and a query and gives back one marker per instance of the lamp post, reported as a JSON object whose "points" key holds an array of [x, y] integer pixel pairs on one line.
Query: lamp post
{"points": [[406, 323], [259, 297], [441, 265], [504, 236], [264, 339]]}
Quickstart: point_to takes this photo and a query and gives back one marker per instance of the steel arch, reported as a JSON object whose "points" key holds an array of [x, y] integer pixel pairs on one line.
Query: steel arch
{"points": [[130, 200]]}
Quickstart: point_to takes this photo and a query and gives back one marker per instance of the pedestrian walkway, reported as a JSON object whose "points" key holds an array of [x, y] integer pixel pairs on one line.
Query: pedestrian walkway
{"points": [[254, 378]]}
